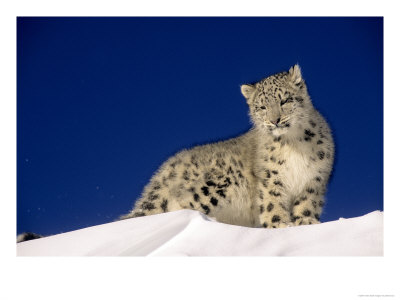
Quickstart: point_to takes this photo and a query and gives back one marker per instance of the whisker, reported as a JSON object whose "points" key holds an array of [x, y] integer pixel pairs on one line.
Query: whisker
{"points": [[285, 119]]}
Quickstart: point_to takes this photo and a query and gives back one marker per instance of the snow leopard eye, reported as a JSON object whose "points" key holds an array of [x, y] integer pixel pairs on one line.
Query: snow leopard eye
{"points": [[288, 100], [263, 107]]}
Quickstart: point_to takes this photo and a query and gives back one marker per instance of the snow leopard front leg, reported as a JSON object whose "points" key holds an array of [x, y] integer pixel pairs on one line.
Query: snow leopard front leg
{"points": [[307, 206], [273, 209]]}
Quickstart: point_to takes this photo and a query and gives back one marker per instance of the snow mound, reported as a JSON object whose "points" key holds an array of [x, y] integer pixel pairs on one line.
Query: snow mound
{"points": [[191, 233]]}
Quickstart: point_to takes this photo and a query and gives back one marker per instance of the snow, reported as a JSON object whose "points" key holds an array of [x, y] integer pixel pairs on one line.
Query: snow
{"points": [[191, 233]]}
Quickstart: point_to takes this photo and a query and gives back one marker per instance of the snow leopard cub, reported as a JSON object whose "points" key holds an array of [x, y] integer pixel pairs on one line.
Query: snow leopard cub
{"points": [[275, 175]]}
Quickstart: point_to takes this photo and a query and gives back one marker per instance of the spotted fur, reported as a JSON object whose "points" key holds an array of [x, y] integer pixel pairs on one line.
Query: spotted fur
{"points": [[275, 175]]}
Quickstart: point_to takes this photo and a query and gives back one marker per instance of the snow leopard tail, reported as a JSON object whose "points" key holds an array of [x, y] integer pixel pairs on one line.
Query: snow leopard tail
{"points": [[27, 236]]}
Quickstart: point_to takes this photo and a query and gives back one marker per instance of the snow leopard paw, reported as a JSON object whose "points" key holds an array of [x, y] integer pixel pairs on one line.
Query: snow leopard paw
{"points": [[306, 221], [279, 225]]}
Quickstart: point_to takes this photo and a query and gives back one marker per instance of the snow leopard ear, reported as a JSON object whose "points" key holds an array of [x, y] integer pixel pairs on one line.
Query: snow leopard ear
{"points": [[295, 75], [247, 90]]}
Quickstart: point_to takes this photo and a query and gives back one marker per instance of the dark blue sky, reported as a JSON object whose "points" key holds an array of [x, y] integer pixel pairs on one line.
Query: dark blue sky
{"points": [[102, 102]]}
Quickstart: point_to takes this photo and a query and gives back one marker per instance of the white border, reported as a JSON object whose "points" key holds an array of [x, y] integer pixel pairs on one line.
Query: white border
{"points": [[196, 278]]}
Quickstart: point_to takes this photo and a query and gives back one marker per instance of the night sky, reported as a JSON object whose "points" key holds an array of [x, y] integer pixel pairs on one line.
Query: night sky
{"points": [[102, 102]]}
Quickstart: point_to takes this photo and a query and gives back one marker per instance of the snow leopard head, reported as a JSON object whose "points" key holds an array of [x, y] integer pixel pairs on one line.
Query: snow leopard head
{"points": [[279, 102]]}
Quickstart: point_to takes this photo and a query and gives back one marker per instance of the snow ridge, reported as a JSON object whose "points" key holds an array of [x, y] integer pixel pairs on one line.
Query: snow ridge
{"points": [[191, 233]]}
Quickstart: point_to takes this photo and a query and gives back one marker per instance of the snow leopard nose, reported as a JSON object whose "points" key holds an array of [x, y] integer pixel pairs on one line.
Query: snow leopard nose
{"points": [[276, 121]]}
